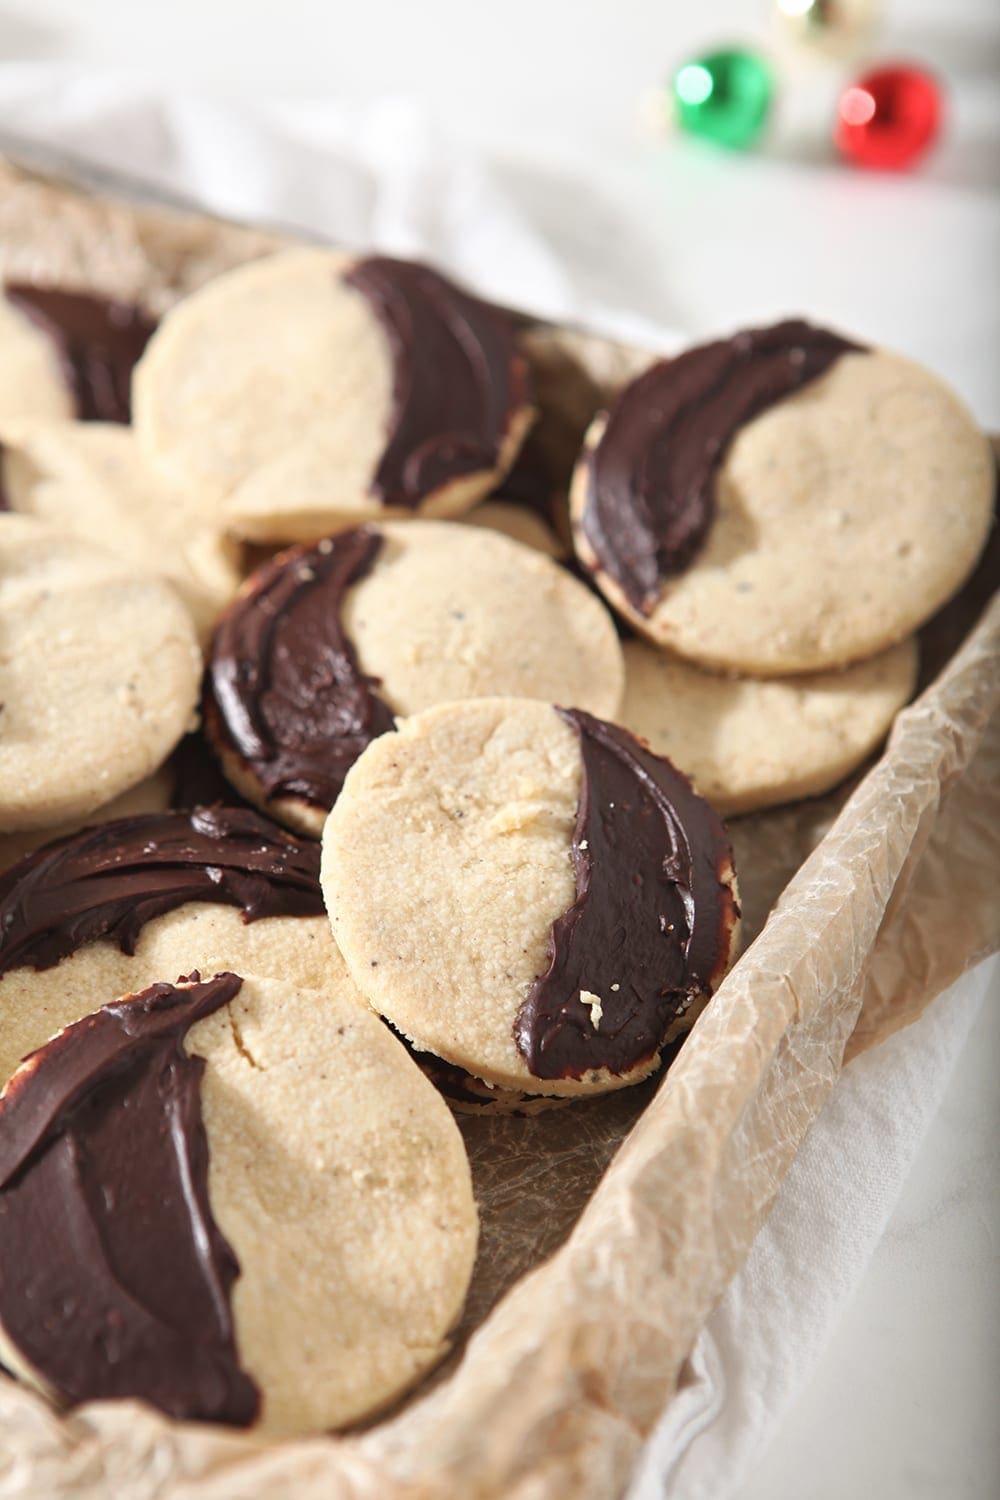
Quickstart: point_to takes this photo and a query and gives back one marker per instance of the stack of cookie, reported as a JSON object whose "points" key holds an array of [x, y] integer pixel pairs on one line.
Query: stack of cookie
{"points": [[785, 508], [378, 803]]}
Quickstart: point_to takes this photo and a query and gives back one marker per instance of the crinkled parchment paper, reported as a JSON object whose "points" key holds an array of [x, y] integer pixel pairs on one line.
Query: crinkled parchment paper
{"points": [[610, 1228]]}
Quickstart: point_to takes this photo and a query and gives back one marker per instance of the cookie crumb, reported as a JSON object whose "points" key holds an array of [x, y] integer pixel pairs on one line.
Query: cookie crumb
{"points": [[594, 1005]]}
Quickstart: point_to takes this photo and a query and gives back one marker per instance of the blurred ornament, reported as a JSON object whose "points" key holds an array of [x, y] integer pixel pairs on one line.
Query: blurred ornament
{"points": [[839, 28], [889, 117], [655, 115], [724, 96]]}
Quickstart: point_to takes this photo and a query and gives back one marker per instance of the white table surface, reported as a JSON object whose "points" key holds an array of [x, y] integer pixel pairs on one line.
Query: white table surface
{"points": [[904, 1402]]}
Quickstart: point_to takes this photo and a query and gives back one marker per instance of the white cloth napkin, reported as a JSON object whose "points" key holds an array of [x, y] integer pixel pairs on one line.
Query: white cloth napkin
{"points": [[382, 176], [379, 175], [765, 1338]]}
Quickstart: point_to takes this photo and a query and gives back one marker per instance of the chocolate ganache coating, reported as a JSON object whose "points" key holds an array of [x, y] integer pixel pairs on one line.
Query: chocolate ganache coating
{"points": [[650, 481], [197, 777], [108, 882], [457, 378], [653, 921], [98, 341], [283, 688], [115, 1279]]}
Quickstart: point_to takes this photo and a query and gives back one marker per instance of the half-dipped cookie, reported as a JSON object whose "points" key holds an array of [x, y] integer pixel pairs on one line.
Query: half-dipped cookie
{"points": [[529, 894], [116, 907], [329, 642], [235, 1199], [313, 390], [67, 353], [782, 501]]}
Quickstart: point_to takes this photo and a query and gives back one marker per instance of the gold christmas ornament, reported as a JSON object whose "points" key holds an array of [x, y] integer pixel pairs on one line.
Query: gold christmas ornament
{"points": [[835, 28]]}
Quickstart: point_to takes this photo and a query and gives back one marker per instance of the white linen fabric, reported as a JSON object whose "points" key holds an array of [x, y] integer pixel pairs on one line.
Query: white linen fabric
{"points": [[382, 176], [375, 175], [766, 1336]]}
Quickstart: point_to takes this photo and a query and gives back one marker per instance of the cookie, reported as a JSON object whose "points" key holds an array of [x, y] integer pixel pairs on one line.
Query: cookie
{"points": [[529, 894], [747, 742], [196, 779], [91, 480], [783, 501], [519, 523], [118, 906], [281, 1238], [67, 353], [312, 390], [31, 380], [328, 642], [467, 1095], [536, 483], [152, 795], [99, 675]]}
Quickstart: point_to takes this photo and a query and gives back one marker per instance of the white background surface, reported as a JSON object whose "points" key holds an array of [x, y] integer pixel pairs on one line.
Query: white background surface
{"points": [[904, 1402]]}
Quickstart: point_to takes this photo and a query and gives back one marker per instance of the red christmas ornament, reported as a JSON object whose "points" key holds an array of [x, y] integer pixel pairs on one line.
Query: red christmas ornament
{"points": [[888, 117]]}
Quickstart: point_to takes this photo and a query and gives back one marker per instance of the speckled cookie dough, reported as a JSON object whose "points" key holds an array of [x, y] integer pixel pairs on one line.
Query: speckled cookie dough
{"points": [[749, 743], [99, 675], [297, 388], [450, 856], [90, 480], [845, 515]]}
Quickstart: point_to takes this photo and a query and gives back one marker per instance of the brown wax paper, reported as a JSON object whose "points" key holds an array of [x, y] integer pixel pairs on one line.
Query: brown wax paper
{"points": [[609, 1228]]}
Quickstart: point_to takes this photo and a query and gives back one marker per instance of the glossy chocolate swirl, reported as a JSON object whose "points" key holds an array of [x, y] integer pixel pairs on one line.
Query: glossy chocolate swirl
{"points": [[457, 378], [650, 481], [108, 882], [98, 342], [115, 1279], [653, 922], [283, 689]]}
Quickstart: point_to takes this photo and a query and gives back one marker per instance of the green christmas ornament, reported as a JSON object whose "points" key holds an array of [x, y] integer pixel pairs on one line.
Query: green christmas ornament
{"points": [[724, 96]]}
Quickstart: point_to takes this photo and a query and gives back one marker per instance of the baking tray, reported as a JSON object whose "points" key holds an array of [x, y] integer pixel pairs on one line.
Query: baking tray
{"points": [[610, 1228]]}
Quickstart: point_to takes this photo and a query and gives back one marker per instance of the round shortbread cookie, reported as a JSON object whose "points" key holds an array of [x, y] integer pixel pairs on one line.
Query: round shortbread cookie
{"points": [[519, 523], [528, 894], [67, 353], [816, 532], [35, 1004], [313, 389], [335, 1176], [747, 742], [99, 675], [119, 906], [31, 379], [152, 795], [327, 643], [91, 480]]}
